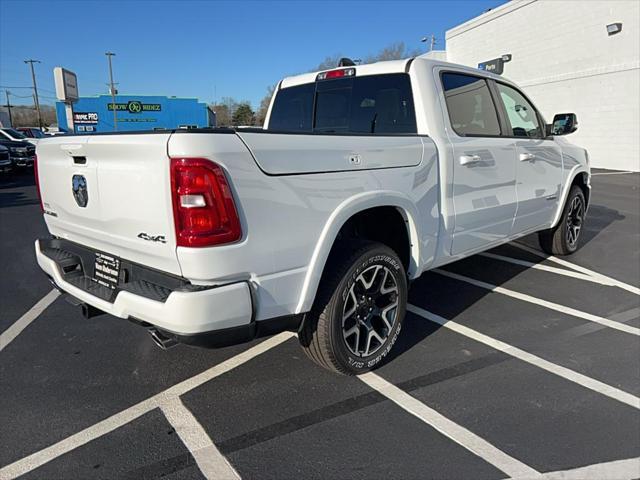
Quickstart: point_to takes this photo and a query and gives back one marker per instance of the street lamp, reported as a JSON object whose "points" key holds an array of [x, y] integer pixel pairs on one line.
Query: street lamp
{"points": [[431, 39], [112, 90]]}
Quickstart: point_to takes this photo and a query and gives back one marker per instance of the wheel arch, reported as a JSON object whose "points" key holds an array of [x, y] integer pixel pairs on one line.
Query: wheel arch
{"points": [[340, 217], [580, 177]]}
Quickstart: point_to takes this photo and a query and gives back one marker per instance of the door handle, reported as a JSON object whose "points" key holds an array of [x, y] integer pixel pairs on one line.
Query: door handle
{"points": [[469, 159], [527, 157]]}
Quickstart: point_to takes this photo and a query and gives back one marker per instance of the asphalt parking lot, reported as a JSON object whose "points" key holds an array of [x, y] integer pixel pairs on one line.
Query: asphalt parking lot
{"points": [[509, 365]]}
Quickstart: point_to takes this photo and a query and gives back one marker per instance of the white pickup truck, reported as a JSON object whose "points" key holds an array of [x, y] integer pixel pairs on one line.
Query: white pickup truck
{"points": [[362, 178]]}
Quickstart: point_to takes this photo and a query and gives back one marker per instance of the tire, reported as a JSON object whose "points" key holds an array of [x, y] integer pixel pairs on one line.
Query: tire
{"points": [[363, 289], [565, 237]]}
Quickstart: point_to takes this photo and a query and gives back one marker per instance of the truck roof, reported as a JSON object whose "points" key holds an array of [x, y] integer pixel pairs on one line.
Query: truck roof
{"points": [[391, 66]]}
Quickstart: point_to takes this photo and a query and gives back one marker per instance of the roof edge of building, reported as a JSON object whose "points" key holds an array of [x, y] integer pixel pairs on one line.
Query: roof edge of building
{"points": [[487, 17], [140, 96]]}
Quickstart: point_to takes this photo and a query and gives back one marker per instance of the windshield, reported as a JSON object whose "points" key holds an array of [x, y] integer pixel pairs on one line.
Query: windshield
{"points": [[14, 133], [36, 133]]}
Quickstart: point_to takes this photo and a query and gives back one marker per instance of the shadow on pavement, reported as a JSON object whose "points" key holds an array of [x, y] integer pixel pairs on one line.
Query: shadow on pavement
{"points": [[19, 180]]}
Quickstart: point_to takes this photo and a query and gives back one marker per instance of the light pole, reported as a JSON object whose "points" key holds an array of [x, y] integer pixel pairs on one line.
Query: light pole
{"points": [[431, 39], [35, 90], [113, 91]]}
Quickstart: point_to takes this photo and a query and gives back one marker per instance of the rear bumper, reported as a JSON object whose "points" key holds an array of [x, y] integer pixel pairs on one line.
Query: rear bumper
{"points": [[171, 304]]}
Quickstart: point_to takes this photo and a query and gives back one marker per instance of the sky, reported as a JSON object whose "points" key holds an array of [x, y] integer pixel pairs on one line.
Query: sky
{"points": [[204, 49]]}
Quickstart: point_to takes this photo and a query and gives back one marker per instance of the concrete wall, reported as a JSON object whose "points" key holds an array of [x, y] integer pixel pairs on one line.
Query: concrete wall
{"points": [[564, 59]]}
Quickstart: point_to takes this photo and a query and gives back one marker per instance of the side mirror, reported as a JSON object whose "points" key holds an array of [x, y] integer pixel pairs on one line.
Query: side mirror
{"points": [[563, 124]]}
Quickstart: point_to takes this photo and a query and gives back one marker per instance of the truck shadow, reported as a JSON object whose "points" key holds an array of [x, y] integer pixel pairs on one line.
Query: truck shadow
{"points": [[15, 191], [450, 298]]}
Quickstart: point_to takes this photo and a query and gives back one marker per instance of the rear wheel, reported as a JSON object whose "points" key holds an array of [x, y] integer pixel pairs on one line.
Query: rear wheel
{"points": [[359, 308], [564, 238]]}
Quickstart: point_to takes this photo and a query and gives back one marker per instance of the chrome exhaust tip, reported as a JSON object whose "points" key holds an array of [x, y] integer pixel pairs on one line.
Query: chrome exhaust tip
{"points": [[161, 339]]}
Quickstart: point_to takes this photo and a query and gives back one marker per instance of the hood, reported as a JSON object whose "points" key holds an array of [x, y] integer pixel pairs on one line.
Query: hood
{"points": [[14, 143]]}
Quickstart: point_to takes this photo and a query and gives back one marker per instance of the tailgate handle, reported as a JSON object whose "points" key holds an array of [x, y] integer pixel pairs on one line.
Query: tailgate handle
{"points": [[80, 160]]}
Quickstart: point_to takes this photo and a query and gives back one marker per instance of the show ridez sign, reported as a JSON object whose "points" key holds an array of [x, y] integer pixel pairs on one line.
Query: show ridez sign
{"points": [[135, 107]]}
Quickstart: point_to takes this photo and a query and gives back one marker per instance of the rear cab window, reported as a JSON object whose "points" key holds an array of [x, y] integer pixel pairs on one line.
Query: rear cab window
{"points": [[372, 104]]}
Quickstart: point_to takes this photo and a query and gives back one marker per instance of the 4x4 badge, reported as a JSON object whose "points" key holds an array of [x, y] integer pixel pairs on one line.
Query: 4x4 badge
{"points": [[79, 189], [152, 238]]}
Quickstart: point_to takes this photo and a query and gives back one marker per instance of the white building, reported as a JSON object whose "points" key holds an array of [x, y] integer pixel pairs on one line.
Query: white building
{"points": [[568, 57]]}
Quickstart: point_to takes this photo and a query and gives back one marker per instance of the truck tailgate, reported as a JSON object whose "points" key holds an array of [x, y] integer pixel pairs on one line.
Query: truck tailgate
{"points": [[128, 209]]}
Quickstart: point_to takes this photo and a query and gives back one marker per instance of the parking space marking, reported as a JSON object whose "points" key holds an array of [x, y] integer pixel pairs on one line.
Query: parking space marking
{"points": [[23, 322], [37, 459], [546, 268], [467, 439], [543, 303], [628, 469], [566, 373], [212, 464], [578, 268]]}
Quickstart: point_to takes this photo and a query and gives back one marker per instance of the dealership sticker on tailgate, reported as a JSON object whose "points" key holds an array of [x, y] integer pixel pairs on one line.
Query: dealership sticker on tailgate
{"points": [[107, 270]]}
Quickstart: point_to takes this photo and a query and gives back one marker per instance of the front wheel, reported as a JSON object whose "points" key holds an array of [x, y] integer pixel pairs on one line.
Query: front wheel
{"points": [[359, 308], [563, 239]]}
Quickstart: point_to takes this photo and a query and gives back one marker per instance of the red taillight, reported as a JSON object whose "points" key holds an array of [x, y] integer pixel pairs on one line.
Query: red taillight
{"points": [[343, 72], [35, 174], [204, 213]]}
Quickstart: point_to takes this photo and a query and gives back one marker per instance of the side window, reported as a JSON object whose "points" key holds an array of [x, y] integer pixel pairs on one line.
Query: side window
{"points": [[470, 106], [293, 109], [523, 120]]}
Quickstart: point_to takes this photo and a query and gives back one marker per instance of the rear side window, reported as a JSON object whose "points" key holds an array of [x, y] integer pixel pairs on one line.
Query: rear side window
{"points": [[471, 108], [376, 104]]}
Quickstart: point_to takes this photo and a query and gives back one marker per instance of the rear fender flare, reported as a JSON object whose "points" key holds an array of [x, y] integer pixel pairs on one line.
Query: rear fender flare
{"points": [[338, 218]]}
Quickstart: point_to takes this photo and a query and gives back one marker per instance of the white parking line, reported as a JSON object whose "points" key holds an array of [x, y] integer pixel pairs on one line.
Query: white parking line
{"points": [[23, 322], [546, 268], [617, 470], [37, 459], [566, 373], [578, 268], [211, 462], [455, 432], [543, 303]]}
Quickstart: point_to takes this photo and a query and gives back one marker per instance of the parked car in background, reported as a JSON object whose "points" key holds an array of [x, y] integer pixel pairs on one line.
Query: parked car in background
{"points": [[31, 132], [16, 136], [21, 152], [5, 159]]}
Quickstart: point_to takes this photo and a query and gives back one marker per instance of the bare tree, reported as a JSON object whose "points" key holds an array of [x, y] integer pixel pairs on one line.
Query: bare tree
{"points": [[395, 51], [27, 116], [224, 111]]}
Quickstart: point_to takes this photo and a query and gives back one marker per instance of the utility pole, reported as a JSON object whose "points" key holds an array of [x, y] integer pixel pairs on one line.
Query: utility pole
{"points": [[35, 90], [113, 91], [7, 93]]}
